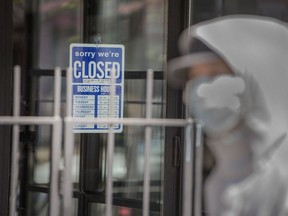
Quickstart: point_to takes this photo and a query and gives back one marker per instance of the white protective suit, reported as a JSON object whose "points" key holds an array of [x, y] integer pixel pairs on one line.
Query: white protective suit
{"points": [[248, 140]]}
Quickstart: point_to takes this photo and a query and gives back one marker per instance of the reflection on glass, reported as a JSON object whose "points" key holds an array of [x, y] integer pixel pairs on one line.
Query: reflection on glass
{"points": [[96, 209], [134, 160], [139, 25], [135, 91], [41, 156], [38, 204], [46, 85], [59, 24]]}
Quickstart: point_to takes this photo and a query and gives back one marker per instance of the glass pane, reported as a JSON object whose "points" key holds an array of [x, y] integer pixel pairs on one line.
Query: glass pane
{"points": [[46, 88], [141, 26], [59, 23], [139, 110], [131, 156], [41, 155], [138, 24], [128, 164], [38, 204], [135, 90], [41, 147], [96, 209]]}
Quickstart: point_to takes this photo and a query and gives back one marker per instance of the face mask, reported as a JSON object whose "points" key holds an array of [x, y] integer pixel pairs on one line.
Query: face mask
{"points": [[215, 102]]}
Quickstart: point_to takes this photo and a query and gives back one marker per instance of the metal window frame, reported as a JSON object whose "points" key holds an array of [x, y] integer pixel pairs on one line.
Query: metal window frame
{"points": [[6, 17]]}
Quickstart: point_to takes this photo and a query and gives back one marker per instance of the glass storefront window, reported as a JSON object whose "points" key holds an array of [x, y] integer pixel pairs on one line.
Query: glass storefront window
{"points": [[141, 27]]}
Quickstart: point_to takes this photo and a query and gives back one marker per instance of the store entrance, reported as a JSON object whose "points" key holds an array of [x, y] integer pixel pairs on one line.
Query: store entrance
{"points": [[143, 27]]}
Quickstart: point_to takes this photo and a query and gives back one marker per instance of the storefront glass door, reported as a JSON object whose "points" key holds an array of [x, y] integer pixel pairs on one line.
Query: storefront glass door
{"points": [[141, 26]]}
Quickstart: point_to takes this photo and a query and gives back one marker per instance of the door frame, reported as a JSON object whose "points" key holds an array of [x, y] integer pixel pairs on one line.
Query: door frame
{"points": [[5, 101], [178, 20], [177, 16]]}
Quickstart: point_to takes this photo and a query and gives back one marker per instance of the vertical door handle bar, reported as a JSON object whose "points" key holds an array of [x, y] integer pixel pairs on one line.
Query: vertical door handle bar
{"points": [[148, 134], [188, 161], [15, 142], [68, 149], [56, 147], [198, 170], [110, 150]]}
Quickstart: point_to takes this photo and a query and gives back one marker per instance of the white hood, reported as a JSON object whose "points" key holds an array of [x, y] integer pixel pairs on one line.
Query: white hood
{"points": [[250, 44]]}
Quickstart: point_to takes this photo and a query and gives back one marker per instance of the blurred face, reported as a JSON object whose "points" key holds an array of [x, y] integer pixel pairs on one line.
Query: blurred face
{"points": [[210, 69]]}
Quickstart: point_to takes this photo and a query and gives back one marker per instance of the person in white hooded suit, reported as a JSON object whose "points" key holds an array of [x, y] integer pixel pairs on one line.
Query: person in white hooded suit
{"points": [[233, 71]]}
